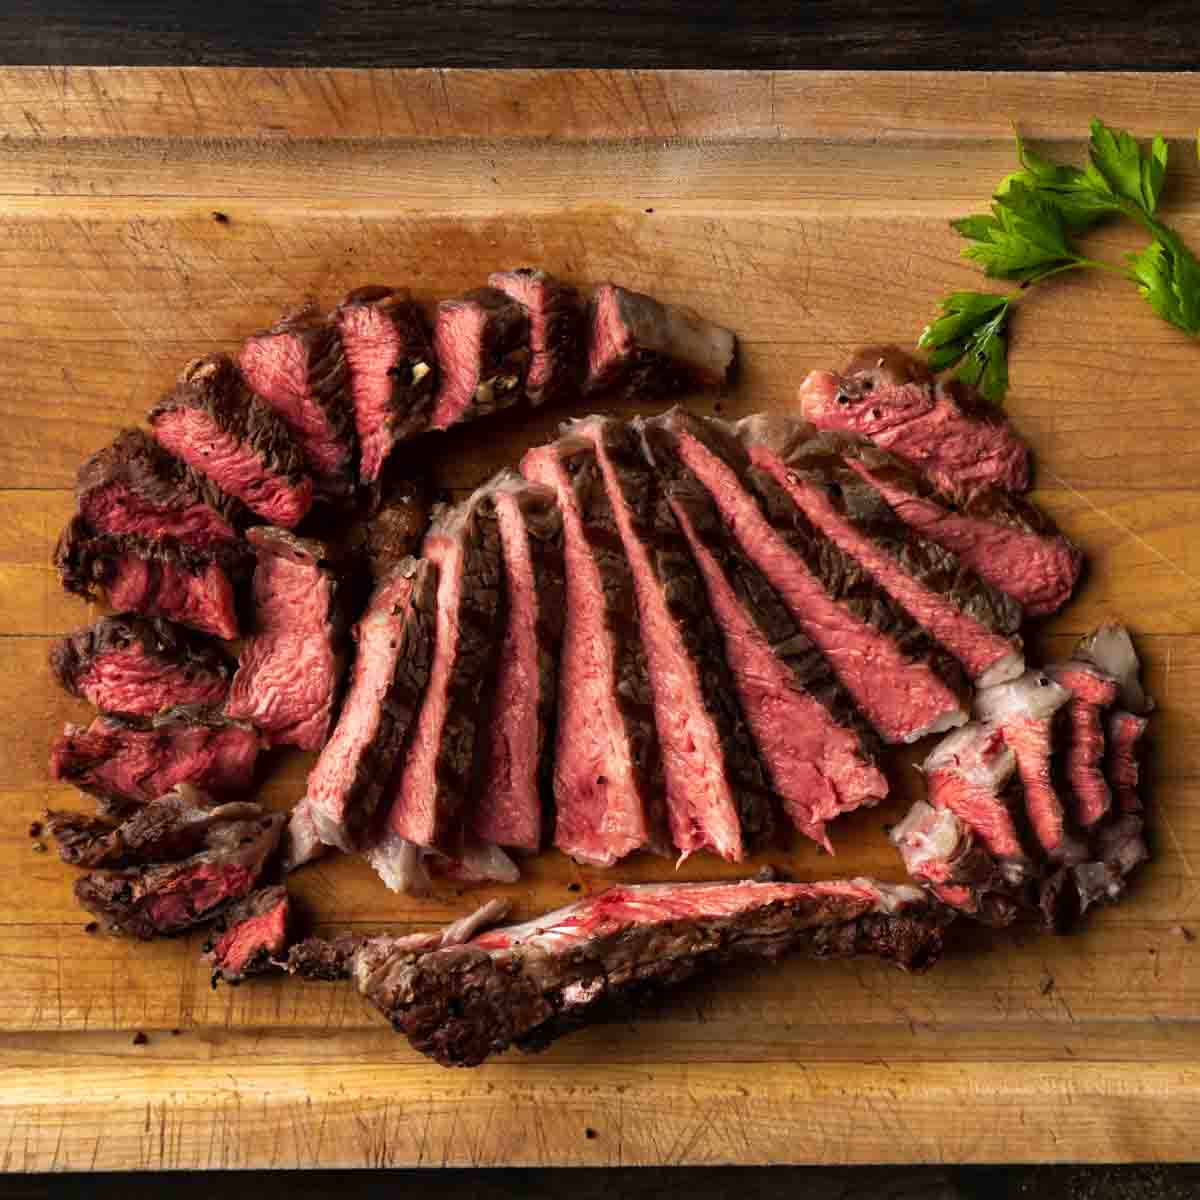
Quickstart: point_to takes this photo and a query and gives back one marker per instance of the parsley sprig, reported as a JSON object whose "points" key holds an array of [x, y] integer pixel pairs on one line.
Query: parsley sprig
{"points": [[1028, 236]]}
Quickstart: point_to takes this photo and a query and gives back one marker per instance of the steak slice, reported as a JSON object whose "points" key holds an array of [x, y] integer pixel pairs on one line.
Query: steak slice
{"points": [[391, 668], [1092, 691], [128, 664], [159, 578], [969, 773], [177, 825], [818, 751], [517, 741], [716, 789], [939, 851], [392, 371], [646, 349], [608, 788], [532, 983], [301, 842], [900, 680], [252, 937], [134, 760], [1125, 731], [1023, 710], [961, 442], [167, 898], [135, 486], [396, 531], [1110, 648], [556, 332], [482, 344], [970, 618], [428, 795], [215, 424], [1002, 538], [298, 368], [288, 675]]}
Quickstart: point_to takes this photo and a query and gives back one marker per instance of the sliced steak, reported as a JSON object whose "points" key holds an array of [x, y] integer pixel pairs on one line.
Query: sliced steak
{"points": [[427, 801], [608, 787], [1002, 538], [134, 760], [818, 751], [391, 668], [301, 842], [1023, 710], [298, 368], [973, 620], [530, 984], [962, 443], [969, 772], [167, 898], [216, 425], [517, 741], [1092, 691], [648, 350], [177, 825], [252, 936], [128, 664], [392, 371], [159, 578], [903, 683], [940, 852], [556, 332], [1110, 648], [1125, 731], [482, 346], [717, 794], [135, 486], [291, 660], [396, 531]]}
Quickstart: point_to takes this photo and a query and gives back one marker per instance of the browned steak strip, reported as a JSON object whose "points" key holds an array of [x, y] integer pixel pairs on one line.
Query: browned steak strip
{"points": [[251, 937], [556, 333]]}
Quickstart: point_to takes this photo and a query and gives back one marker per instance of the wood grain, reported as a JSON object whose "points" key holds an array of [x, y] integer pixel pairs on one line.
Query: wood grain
{"points": [[809, 213]]}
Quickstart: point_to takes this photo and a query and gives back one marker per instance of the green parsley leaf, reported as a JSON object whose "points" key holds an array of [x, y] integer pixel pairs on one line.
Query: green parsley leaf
{"points": [[1168, 278], [1118, 167], [1065, 187], [1024, 236], [971, 332]]}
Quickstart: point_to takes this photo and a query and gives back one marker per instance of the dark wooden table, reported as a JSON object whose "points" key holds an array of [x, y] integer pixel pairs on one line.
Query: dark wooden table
{"points": [[925, 34]]}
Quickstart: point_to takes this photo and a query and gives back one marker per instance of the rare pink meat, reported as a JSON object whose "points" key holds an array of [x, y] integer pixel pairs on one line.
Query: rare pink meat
{"points": [[1092, 691], [253, 937], [959, 441], [287, 678], [555, 332], [392, 371], [1125, 733]]}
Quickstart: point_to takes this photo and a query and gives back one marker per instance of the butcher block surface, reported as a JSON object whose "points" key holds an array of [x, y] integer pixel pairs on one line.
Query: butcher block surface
{"points": [[149, 215]]}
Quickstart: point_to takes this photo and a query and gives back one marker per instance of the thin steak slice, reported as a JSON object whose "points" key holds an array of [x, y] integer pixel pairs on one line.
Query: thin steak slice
{"points": [[1110, 648], [1125, 731], [291, 662], [158, 578], [900, 680], [391, 668], [716, 789], [1023, 710], [482, 344], [177, 825], [969, 772], [974, 621], [214, 423], [1002, 538], [392, 371], [818, 751], [251, 937], [646, 349], [129, 664], [298, 368], [167, 898], [940, 852], [135, 486], [556, 332], [1092, 691], [530, 984], [962, 443], [518, 739], [134, 760], [428, 795], [608, 788]]}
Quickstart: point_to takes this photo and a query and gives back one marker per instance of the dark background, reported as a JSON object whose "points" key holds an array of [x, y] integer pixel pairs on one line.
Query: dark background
{"points": [[927, 35]]}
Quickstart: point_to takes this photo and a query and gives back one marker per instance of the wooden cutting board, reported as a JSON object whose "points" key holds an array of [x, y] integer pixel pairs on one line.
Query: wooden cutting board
{"points": [[148, 215]]}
